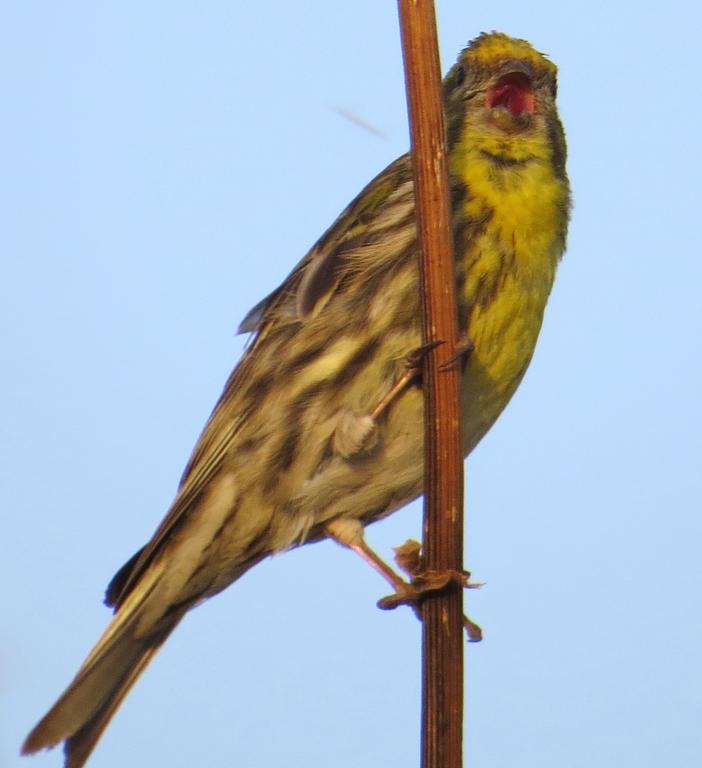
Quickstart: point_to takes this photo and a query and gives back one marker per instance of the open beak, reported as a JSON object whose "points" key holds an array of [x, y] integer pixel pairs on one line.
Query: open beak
{"points": [[514, 91]]}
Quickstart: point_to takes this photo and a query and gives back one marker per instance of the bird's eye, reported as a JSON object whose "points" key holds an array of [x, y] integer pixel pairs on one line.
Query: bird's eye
{"points": [[460, 76]]}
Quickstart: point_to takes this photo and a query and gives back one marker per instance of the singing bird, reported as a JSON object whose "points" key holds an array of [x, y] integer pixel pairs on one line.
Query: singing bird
{"points": [[319, 429]]}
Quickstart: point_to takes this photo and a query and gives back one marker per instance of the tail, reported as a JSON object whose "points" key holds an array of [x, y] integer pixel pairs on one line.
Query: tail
{"points": [[122, 653]]}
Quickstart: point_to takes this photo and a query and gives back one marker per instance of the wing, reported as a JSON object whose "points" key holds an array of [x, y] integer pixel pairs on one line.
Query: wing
{"points": [[387, 202], [308, 288]]}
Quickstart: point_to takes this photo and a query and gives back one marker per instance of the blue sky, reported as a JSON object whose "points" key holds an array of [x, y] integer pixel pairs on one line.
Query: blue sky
{"points": [[164, 165]]}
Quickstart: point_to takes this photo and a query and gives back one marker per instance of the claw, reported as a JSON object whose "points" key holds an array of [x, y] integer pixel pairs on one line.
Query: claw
{"points": [[463, 349], [473, 630], [415, 357]]}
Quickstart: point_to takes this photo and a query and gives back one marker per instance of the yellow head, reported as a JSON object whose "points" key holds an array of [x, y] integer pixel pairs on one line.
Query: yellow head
{"points": [[500, 98]]}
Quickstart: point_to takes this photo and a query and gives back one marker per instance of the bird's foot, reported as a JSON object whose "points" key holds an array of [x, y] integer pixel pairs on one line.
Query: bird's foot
{"points": [[424, 583]]}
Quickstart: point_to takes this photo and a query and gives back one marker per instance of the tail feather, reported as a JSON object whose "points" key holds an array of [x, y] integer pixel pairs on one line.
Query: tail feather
{"points": [[90, 689], [112, 667], [78, 747], [84, 710]]}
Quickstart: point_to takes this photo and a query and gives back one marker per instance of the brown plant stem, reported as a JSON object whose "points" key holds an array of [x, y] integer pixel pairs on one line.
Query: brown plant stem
{"points": [[442, 665]]}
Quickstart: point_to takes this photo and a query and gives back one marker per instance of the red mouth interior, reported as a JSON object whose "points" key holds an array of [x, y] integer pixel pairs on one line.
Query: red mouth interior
{"points": [[514, 92]]}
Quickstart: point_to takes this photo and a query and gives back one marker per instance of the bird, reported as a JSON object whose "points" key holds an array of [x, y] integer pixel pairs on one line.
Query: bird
{"points": [[319, 429]]}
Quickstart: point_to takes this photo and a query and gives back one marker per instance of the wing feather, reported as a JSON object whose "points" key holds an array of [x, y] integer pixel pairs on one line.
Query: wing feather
{"points": [[303, 294]]}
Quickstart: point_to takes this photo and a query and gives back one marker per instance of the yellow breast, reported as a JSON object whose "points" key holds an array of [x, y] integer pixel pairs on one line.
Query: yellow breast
{"points": [[510, 267]]}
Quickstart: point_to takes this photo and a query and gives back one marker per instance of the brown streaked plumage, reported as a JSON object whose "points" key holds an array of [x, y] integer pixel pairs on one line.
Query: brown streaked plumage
{"points": [[290, 453]]}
